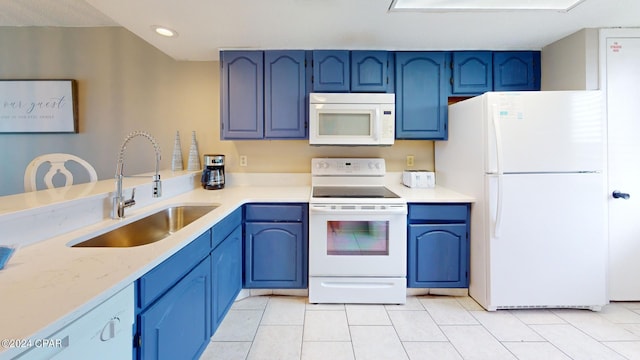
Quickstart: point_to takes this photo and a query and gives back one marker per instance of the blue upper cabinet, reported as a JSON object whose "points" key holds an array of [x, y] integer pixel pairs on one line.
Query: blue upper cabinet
{"points": [[263, 94], [352, 71], [516, 70], [285, 108], [331, 71], [421, 95], [471, 72], [242, 97], [369, 71]]}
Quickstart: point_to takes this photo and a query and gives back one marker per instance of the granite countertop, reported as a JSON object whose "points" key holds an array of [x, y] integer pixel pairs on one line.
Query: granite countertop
{"points": [[48, 284]]}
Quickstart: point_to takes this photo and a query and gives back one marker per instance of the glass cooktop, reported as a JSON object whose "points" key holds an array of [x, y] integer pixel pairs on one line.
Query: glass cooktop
{"points": [[378, 192]]}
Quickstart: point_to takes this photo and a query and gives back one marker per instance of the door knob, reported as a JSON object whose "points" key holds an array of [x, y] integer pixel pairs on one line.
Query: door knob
{"points": [[620, 195]]}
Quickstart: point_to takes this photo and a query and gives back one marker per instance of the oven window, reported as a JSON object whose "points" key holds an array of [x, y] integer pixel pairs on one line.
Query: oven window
{"points": [[344, 124], [357, 237]]}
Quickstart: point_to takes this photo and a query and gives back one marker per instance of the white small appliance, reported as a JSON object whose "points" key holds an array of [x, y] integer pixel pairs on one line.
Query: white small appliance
{"points": [[534, 162], [419, 179], [351, 119], [357, 234]]}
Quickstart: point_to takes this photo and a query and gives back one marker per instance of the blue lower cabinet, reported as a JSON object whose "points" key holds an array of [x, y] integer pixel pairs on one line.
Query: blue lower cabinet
{"points": [[275, 246], [177, 325], [437, 252], [226, 276], [273, 257], [438, 246], [158, 280]]}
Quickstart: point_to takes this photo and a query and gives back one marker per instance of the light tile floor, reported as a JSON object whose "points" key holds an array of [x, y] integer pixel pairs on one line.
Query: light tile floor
{"points": [[426, 327]]}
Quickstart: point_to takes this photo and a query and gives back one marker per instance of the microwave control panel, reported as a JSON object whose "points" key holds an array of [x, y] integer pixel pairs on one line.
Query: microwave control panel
{"points": [[388, 123]]}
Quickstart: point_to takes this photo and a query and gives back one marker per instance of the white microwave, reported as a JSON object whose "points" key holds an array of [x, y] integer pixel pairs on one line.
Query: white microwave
{"points": [[351, 119]]}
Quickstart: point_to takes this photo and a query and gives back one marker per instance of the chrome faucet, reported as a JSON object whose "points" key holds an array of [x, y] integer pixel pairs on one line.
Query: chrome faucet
{"points": [[119, 202]]}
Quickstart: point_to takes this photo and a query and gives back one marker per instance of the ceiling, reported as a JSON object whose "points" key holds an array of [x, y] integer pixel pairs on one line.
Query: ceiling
{"points": [[206, 26]]}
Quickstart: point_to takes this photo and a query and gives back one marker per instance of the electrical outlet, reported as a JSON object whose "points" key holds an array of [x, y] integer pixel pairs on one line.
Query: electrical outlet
{"points": [[410, 160], [243, 160]]}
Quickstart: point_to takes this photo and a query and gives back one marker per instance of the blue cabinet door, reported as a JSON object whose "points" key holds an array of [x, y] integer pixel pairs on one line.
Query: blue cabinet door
{"points": [[161, 278], [437, 256], [177, 325], [241, 95], [285, 108], [331, 71], [471, 72], [226, 276], [421, 95], [369, 71], [275, 255], [516, 70]]}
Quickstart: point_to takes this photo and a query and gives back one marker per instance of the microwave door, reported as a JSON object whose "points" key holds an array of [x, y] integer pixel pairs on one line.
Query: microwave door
{"points": [[344, 124]]}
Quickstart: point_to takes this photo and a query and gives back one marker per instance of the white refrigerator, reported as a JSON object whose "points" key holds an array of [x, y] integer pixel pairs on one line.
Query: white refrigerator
{"points": [[534, 161]]}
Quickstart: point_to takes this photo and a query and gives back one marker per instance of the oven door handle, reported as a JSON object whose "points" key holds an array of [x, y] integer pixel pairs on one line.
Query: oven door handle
{"points": [[359, 209]]}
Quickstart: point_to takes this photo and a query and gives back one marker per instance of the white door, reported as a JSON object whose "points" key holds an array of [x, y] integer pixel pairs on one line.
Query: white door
{"points": [[623, 110]]}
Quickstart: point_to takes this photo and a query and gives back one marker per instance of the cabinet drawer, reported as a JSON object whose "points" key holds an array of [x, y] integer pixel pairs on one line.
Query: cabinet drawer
{"points": [[222, 229], [439, 212], [274, 212], [162, 277]]}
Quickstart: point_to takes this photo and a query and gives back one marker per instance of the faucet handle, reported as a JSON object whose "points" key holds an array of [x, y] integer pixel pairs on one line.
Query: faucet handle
{"points": [[129, 202]]}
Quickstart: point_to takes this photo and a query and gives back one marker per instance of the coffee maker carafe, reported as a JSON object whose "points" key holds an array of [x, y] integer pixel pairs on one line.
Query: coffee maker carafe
{"points": [[213, 172]]}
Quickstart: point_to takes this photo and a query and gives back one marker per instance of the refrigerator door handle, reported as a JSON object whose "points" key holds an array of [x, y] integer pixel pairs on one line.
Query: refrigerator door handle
{"points": [[498, 224], [498, 148], [498, 136]]}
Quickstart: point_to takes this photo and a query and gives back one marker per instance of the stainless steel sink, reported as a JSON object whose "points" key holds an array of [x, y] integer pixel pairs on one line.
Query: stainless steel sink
{"points": [[152, 228]]}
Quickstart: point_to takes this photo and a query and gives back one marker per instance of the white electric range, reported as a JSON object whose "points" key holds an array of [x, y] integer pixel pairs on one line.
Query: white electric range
{"points": [[357, 234]]}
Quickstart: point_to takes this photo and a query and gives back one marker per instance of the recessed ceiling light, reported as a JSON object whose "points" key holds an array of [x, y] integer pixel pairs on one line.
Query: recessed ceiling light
{"points": [[164, 31], [482, 5]]}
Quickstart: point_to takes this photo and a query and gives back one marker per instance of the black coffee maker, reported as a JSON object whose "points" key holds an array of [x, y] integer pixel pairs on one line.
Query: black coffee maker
{"points": [[213, 172]]}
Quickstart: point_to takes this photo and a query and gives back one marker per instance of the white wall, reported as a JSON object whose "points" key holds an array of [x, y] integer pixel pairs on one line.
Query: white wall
{"points": [[571, 63]]}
